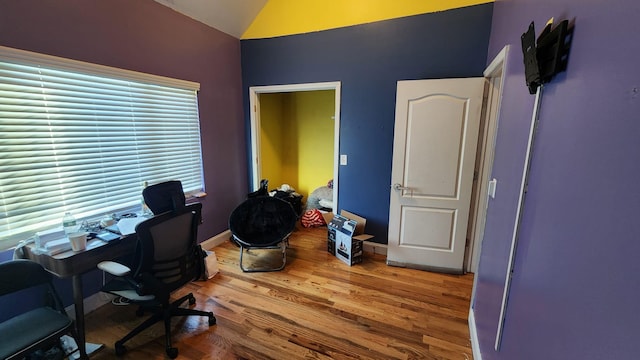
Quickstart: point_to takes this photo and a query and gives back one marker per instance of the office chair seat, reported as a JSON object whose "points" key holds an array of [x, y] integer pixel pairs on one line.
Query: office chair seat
{"points": [[40, 327], [262, 222], [31, 328]]}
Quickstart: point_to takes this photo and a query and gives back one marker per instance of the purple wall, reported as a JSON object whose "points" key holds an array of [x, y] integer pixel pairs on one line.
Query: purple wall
{"points": [[574, 293], [145, 36]]}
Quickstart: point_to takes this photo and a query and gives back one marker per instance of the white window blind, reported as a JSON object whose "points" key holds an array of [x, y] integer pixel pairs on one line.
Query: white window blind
{"points": [[83, 138]]}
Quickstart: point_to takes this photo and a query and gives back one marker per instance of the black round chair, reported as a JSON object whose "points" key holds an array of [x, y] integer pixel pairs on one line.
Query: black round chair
{"points": [[263, 222]]}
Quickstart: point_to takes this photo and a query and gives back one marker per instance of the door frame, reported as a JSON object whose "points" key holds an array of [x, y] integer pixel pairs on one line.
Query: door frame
{"points": [[254, 106], [494, 73], [497, 69]]}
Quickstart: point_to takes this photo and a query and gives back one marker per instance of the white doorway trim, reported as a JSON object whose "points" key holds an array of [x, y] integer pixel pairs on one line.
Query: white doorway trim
{"points": [[495, 74], [254, 106]]}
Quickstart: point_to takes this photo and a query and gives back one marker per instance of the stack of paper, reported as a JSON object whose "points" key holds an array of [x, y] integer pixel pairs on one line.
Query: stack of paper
{"points": [[57, 246], [43, 237], [128, 225]]}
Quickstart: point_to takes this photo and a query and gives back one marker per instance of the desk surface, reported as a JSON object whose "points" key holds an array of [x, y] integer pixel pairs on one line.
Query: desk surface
{"points": [[71, 263]]}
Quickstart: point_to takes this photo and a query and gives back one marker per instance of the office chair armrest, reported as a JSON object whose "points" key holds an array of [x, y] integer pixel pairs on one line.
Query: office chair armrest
{"points": [[114, 268]]}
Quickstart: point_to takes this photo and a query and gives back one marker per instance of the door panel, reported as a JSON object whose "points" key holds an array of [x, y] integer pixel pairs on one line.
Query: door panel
{"points": [[438, 221], [434, 151], [419, 170]]}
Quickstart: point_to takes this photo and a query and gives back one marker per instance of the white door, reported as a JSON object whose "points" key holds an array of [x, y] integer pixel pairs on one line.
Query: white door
{"points": [[434, 150]]}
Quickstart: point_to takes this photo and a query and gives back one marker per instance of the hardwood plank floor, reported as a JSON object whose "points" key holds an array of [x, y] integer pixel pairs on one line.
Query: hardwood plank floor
{"points": [[316, 308]]}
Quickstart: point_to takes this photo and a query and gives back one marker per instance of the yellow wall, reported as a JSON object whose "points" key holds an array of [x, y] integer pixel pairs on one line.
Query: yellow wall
{"points": [[297, 139], [287, 17], [271, 138], [314, 111]]}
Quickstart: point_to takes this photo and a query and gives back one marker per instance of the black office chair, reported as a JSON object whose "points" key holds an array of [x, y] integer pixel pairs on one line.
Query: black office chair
{"points": [[164, 196], [263, 222], [169, 258], [39, 328]]}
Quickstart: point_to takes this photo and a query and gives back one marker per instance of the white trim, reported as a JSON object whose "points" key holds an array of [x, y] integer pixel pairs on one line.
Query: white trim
{"points": [[497, 62], [473, 332], [498, 66], [375, 248], [216, 240], [254, 106], [495, 73], [91, 303], [495, 70], [36, 59], [99, 299]]}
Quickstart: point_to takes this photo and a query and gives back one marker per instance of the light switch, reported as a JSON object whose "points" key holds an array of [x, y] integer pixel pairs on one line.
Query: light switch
{"points": [[343, 159]]}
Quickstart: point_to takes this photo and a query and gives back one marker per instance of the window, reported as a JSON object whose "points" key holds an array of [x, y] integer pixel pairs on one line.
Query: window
{"points": [[83, 138]]}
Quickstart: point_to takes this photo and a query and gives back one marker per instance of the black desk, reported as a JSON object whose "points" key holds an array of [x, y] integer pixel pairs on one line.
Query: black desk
{"points": [[74, 264]]}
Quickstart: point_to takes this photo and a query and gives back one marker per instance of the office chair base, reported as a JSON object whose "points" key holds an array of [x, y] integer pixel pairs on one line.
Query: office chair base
{"points": [[283, 245], [165, 315]]}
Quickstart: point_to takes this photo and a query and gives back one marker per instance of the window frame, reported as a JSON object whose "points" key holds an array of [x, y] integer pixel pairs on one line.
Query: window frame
{"points": [[29, 58]]}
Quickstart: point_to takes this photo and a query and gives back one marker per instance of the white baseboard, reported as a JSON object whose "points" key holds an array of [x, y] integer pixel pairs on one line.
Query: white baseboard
{"points": [[91, 303], [375, 248], [475, 344], [369, 246], [216, 240], [96, 300]]}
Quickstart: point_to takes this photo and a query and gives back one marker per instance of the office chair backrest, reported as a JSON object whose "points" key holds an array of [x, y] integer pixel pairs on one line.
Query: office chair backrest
{"points": [[21, 274], [164, 196], [169, 251], [40, 320]]}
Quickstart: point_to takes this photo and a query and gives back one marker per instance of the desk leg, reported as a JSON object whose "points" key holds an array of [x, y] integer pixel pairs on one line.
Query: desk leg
{"points": [[78, 300]]}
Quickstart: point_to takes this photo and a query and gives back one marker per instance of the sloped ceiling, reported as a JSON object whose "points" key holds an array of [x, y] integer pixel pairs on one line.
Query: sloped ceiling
{"points": [[250, 19], [230, 16]]}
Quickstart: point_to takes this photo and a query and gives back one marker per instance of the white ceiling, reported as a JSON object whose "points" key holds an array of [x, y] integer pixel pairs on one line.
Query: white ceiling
{"points": [[230, 16]]}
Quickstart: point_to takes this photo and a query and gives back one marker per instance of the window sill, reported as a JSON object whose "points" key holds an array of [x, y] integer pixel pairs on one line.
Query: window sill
{"points": [[198, 195]]}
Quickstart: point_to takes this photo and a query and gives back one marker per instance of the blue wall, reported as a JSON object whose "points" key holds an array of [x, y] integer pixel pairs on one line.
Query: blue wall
{"points": [[575, 291], [368, 60]]}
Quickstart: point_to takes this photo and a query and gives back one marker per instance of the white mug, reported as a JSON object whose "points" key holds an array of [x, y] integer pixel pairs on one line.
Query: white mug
{"points": [[78, 241]]}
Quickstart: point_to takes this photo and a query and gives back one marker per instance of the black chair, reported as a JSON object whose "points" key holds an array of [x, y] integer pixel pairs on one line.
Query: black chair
{"points": [[39, 328], [164, 196], [263, 190], [169, 258], [263, 222]]}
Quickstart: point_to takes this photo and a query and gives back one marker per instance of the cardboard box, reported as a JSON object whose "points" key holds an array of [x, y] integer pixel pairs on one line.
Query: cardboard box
{"points": [[345, 237], [361, 223], [211, 264], [327, 216]]}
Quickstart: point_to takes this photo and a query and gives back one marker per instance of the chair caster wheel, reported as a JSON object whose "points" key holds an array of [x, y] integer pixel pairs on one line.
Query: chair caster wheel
{"points": [[120, 349], [212, 319], [172, 352]]}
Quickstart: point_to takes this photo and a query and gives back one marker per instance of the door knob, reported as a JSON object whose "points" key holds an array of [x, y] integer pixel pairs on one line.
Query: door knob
{"points": [[397, 186]]}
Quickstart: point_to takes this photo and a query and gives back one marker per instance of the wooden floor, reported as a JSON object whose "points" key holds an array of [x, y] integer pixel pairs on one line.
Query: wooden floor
{"points": [[316, 308]]}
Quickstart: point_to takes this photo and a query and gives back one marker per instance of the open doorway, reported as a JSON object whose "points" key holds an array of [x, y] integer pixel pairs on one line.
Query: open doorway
{"points": [[295, 137]]}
